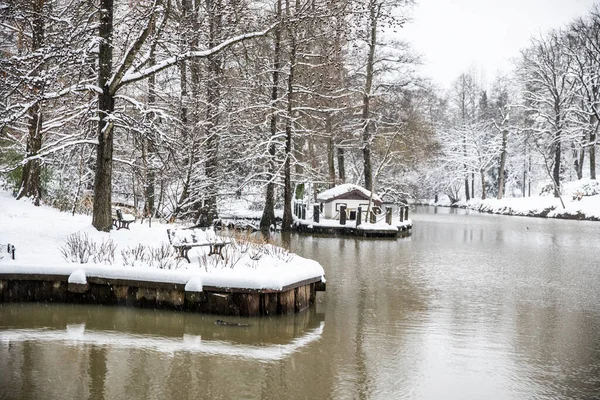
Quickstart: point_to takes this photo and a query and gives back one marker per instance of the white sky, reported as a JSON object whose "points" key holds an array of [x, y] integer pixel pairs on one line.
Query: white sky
{"points": [[455, 35]]}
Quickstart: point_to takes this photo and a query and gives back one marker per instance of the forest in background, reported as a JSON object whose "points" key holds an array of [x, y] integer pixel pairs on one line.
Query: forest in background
{"points": [[170, 105]]}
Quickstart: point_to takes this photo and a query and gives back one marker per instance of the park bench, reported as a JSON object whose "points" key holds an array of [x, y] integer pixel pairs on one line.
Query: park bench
{"points": [[121, 220], [185, 239]]}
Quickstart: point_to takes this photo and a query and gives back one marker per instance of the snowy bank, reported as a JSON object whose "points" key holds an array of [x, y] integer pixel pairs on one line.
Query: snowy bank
{"points": [[49, 242], [581, 201]]}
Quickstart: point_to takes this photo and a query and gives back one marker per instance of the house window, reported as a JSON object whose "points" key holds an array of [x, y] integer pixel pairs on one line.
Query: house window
{"points": [[337, 206]]}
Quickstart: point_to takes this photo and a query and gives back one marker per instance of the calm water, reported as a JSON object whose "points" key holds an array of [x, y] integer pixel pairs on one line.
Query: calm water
{"points": [[470, 306]]}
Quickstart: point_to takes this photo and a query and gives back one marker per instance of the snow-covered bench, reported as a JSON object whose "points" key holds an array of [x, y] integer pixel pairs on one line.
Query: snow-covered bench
{"points": [[122, 220], [185, 239]]}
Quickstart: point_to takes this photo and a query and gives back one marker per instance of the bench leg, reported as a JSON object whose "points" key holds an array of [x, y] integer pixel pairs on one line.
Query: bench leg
{"points": [[184, 253], [216, 249], [123, 225]]}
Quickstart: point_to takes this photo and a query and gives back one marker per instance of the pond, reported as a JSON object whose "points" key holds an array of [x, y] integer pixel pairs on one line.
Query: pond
{"points": [[469, 306]]}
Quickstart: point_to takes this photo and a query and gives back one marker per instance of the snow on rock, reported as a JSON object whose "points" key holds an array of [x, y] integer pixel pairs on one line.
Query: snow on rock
{"points": [[342, 189], [39, 233], [78, 276], [194, 284]]}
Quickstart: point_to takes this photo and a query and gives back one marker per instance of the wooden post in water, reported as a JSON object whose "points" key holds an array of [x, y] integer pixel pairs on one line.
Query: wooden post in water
{"points": [[342, 215], [388, 215], [316, 211], [406, 213], [401, 208], [358, 216]]}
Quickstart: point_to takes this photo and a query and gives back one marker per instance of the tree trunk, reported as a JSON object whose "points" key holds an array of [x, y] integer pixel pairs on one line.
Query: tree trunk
{"points": [[208, 211], [102, 212], [592, 150], [331, 161], [581, 160], [287, 191], [188, 119], [557, 156], [341, 165], [467, 191], [268, 216], [30, 178], [330, 149], [148, 150], [483, 194], [502, 165], [367, 136], [472, 185]]}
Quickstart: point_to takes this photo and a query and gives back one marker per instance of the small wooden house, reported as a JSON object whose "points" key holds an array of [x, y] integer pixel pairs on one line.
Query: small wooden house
{"points": [[352, 196]]}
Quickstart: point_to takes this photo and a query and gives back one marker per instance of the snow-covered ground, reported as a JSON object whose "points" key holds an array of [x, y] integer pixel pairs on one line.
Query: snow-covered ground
{"points": [[141, 253], [581, 201]]}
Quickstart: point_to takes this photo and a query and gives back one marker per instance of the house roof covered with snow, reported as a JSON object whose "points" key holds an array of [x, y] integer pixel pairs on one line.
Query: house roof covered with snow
{"points": [[347, 191]]}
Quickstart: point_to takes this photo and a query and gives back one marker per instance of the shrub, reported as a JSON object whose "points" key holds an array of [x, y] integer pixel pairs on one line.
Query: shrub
{"points": [[105, 253], [163, 257], [134, 255], [78, 248]]}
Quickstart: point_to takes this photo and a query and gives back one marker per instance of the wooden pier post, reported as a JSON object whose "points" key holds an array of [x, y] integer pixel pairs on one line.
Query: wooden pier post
{"points": [[342, 215], [406, 213], [388, 215], [316, 210], [401, 208], [358, 216]]}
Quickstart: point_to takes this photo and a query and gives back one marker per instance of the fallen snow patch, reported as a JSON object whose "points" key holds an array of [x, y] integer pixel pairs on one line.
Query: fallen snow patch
{"points": [[78, 276]]}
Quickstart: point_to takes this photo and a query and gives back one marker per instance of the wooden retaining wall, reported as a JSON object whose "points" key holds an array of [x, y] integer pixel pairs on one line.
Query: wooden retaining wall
{"points": [[211, 300]]}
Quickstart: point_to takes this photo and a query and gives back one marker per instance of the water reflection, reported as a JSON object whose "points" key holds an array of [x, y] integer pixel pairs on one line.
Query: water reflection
{"points": [[159, 330], [125, 353]]}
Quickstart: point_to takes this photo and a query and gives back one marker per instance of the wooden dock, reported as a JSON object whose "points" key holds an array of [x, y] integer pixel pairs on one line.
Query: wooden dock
{"points": [[385, 226]]}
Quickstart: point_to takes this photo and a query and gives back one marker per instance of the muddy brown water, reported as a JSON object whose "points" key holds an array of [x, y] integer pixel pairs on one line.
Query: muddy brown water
{"points": [[470, 306]]}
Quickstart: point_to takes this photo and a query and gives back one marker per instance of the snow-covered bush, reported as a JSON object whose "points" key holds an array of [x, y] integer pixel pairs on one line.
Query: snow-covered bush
{"points": [[583, 187], [136, 255], [278, 252], [105, 252], [78, 248], [546, 188], [163, 257]]}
